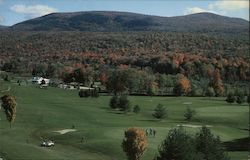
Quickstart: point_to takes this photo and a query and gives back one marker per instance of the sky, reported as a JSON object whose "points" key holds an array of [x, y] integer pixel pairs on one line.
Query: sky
{"points": [[15, 11]]}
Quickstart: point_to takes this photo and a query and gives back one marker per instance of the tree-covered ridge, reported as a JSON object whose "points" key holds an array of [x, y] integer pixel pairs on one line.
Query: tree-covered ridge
{"points": [[111, 21], [195, 55]]}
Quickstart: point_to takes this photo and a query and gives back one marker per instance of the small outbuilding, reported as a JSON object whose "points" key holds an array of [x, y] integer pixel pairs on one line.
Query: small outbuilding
{"points": [[39, 80]]}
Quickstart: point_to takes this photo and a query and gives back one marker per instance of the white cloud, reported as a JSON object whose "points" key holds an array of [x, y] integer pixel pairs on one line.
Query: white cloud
{"points": [[33, 10], [238, 8], [229, 5], [192, 10]]}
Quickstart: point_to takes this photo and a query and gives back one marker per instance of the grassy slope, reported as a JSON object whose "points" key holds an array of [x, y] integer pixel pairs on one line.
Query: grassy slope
{"points": [[42, 111]]}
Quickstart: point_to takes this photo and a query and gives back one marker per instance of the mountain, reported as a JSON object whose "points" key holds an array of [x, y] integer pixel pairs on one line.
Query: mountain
{"points": [[3, 27], [107, 21]]}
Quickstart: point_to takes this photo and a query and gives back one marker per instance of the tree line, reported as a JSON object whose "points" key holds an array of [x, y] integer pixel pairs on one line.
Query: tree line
{"points": [[126, 80], [178, 145]]}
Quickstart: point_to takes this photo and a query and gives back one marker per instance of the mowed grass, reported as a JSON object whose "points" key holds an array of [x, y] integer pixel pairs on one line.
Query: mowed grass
{"points": [[41, 111]]}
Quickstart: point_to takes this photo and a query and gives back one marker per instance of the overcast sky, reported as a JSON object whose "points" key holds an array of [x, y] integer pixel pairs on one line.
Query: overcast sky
{"points": [[14, 11]]}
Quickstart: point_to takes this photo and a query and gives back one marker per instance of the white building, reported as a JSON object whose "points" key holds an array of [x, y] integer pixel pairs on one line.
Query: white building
{"points": [[38, 80]]}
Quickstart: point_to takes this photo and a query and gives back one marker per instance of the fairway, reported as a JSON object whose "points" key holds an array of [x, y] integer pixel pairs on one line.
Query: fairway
{"points": [[62, 116]]}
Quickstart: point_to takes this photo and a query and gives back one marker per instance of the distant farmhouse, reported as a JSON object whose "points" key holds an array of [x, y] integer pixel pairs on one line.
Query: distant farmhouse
{"points": [[80, 86], [39, 80]]}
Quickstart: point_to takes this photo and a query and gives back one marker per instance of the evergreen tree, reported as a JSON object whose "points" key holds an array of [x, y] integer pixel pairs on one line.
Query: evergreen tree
{"points": [[160, 112], [178, 145], [189, 113], [209, 145]]}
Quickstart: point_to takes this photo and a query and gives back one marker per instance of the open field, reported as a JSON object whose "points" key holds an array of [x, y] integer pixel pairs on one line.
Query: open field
{"points": [[41, 112]]}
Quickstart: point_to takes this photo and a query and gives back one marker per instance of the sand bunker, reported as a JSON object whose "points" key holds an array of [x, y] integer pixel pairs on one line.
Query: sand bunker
{"points": [[65, 131], [192, 126]]}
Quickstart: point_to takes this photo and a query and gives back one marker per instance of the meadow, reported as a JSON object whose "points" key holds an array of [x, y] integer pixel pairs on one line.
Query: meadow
{"points": [[40, 112]]}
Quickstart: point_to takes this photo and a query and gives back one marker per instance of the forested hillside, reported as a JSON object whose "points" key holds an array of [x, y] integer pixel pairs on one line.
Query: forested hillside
{"points": [[124, 21], [56, 54], [199, 58]]}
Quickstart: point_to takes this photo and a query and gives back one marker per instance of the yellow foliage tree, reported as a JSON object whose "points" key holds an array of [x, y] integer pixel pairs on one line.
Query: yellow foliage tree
{"points": [[134, 143]]}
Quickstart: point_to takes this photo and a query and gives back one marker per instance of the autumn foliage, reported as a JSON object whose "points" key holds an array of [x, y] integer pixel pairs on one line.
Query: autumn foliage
{"points": [[217, 83], [135, 143], [9, 106], [183, 86], [146, 63]]}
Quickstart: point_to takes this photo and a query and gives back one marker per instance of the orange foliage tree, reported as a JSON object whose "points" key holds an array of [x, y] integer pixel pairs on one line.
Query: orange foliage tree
{"points": [[182, 86], [217, 83], [134, 143]]}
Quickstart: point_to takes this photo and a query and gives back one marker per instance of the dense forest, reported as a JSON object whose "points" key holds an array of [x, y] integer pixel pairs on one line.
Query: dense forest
{"points": [[198, 54], [151, 61]]}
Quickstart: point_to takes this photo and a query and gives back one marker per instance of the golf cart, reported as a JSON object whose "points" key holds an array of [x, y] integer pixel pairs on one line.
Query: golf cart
{"points": [[48, 143]]}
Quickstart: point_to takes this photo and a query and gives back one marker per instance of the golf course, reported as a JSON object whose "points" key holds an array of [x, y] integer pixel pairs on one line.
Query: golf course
{"points": [[88, 129]]}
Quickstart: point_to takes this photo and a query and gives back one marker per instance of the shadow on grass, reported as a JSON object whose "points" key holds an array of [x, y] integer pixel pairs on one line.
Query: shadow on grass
{"points": [[244, 129], [150, 120], [104, 108], [116, 112], [238, 144]]}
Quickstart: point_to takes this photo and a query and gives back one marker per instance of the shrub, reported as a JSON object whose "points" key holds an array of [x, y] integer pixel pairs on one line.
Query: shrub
{"points": [[84, 93], [87, 93], [121, 102], [136, 109], [95, 93], [124, 103], [160, 112], [230, 98], [248, 99], [240, 98], [114, 102], [6, 78]]}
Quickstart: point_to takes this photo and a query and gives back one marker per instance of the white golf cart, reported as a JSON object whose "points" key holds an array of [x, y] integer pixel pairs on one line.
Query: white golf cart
{"points": [[48, 143]]}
